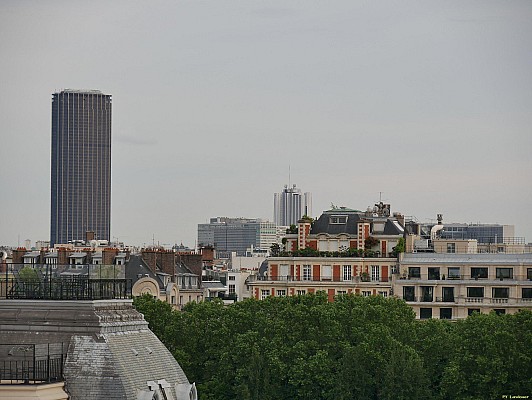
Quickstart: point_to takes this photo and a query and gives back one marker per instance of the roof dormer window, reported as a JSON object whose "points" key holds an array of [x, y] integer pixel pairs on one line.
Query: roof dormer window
{"points": [[338, 220]]}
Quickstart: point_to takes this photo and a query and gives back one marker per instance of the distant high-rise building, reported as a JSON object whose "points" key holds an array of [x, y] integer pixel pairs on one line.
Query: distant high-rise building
{"points": [[237, 235], [81, 165], [290, 205]]}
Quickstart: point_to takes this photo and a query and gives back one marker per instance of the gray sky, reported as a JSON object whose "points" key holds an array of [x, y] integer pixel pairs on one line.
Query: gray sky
{"points": [[429, 102]]}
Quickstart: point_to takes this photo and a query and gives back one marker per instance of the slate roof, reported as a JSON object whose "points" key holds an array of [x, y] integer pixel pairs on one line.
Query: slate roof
{"points": [[323, 223], [136, 266], [110, 353]]}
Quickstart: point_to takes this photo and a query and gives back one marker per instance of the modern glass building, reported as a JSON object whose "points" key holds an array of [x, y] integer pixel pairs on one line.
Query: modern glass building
{"points": [[81, 165], [237, 235], [290, 205]]}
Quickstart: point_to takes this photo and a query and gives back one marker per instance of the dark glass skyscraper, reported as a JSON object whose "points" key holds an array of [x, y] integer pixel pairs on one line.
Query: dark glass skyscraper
{"points": [[81, 165]]}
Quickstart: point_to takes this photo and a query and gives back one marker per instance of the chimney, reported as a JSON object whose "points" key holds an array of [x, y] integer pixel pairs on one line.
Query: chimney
{"points": [[89, 235], [62, 256], [149, 256], [18, 255], [207, 255], [166, 261], [193, 262], [108, 256]]}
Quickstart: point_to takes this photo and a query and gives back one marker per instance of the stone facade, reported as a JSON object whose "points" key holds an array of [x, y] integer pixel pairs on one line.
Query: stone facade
{"points": [[110, 352]]}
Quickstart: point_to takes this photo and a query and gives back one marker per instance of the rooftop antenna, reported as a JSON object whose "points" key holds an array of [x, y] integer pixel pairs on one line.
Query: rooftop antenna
{"points": [[289, 177]]}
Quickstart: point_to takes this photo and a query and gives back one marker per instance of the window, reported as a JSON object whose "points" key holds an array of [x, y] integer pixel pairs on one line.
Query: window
{"points": [[346, 272], [339, 292], [451, 248], [425, 313], [500, 293], [326, 272], [427, 293], [231, 277], [383, 294], [306, 273], [470, 311], [446, 313], [281, 292], [408, 293], [504, 273], [414, 272], [375, 273], [479, 272], [448, 293], [475, 292], [231, 289], [434, 273], [338, 220], [366, 293], [453, 272], [529, 274], [264, 293], [301, 292], [283, 272], [526, 293], [499, 311]]}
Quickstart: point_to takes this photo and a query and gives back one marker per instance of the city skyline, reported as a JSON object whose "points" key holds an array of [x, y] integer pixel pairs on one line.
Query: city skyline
{"points": [[426, 102]]}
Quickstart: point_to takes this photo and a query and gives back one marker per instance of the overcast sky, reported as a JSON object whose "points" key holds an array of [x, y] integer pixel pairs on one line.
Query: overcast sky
{"points": [[429, 102]]}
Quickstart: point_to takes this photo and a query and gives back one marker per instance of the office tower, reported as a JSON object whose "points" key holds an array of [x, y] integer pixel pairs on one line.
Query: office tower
{"points": [[229, 235], [290, 205], [81, 165]]}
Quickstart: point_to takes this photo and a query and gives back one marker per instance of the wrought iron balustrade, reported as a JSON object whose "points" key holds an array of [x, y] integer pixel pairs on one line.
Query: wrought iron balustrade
{"points": [[31, 363]]}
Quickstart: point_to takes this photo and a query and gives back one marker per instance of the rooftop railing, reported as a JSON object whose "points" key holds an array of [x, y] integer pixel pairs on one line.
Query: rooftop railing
{"points": [[68, 282], [31, 363]]}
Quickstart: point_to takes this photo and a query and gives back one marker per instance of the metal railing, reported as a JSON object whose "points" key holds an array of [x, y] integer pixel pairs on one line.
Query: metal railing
{"points": [[469, 300], [73, 288], [65, 282], [314, 278], [31, 363]]}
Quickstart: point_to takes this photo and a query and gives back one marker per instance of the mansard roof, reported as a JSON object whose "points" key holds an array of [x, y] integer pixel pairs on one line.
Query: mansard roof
{"points": [[137, 267], [329, 222]]}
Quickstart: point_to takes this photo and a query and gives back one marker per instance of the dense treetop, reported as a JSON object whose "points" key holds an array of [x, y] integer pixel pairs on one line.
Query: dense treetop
{"points": [[304, 347]]}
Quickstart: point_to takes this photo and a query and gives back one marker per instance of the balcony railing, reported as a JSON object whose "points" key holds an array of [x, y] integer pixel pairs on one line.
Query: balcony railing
{"points": [[463, 299], [314, 278], [65, 282], [31, 363], [74, 288]]}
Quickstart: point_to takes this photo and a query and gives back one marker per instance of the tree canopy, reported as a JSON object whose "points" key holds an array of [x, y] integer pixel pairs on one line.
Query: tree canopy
{"points": [[304, 347]]}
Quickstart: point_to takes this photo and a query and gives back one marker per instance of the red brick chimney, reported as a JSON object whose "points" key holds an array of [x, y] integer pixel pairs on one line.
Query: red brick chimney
{"points": [[18, 255], [62, 256], [150, 258], [194, 262], [207, 255], [166, 259], [108, 256]]}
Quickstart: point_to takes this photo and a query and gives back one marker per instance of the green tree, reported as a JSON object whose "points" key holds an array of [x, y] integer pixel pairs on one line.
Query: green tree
{"points": [[28, 275]]}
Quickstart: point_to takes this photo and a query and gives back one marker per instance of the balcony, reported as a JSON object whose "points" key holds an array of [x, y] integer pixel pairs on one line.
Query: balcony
{"points": [[474, 299], [69, 282], [31, 363], [323, 279]]}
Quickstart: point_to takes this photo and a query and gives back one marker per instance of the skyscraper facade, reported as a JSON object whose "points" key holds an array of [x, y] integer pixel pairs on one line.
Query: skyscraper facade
{"points": [[237, 235], [81, 165], [290, 205]]}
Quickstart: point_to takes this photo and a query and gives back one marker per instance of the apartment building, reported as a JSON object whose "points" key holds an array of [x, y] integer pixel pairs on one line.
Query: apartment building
{"points": [[289, 276], [453, 286]]}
